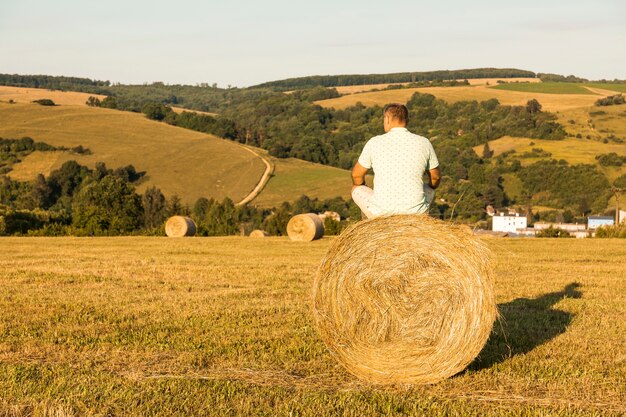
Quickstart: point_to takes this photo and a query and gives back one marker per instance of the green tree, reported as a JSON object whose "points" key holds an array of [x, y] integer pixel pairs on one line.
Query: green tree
{"points": [[154, 208], [106, 207]]}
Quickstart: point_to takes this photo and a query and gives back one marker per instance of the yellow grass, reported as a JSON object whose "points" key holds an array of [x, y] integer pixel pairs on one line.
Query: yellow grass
{"points": [[223, 326], [179, 161], [353, 89], [550, 102], [182, 109], [67, 98], [574, 151], [27, 95]]}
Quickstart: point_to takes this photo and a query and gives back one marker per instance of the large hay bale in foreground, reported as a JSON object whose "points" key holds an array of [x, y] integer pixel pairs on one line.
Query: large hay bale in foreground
{"points": [[405, 299], [180, 226], [258, 233], [305, 227]]}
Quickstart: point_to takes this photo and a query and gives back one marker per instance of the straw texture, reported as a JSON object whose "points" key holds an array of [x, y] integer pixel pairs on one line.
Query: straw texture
{"points": [[180, 226], [258, 233], [305, 227], [405, 299]]}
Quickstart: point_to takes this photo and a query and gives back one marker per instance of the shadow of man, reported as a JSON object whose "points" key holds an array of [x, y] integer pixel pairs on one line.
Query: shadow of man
{"points": [[525, 324]]}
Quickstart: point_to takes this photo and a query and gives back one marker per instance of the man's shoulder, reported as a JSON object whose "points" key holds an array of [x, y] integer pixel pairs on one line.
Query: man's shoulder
{"points": [[375, 139]]}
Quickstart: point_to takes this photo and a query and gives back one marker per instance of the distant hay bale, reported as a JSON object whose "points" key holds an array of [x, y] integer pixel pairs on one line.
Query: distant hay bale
{"points": [[180, 226], [258, 233], [405, 299], [305, 227]]}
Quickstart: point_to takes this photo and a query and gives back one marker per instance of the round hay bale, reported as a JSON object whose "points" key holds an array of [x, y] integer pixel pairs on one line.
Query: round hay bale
{"points": [[305, 227], [258, 233], [405, 299], [180, 226]]}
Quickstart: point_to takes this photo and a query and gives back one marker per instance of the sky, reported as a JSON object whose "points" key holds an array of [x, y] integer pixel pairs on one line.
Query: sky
{"points": [[242, 43]]}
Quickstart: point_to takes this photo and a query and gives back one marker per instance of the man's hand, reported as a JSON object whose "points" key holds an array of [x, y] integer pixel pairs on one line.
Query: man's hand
{"points": [[358, 175], [435, 177]]}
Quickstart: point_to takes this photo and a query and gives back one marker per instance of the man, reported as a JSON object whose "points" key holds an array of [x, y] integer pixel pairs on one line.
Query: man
{"points": [[399, 159]]}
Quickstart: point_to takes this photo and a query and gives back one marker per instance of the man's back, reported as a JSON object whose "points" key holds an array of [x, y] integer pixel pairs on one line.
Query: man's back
{"points": [[399, 159]]}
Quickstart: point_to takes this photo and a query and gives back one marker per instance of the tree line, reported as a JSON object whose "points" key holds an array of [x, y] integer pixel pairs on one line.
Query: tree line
{"points": [[400, 77], [76, 200]]}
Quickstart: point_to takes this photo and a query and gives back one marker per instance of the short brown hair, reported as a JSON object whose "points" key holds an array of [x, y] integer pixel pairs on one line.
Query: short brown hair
{"points": [[397, 111]]}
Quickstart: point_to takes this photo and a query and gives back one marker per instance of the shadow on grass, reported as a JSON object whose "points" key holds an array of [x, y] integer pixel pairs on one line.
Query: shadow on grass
{"points": [[525, 324]]}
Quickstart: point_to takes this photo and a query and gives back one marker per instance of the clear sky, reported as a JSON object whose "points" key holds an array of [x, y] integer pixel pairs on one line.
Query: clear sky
{"points": [[244, 42]]}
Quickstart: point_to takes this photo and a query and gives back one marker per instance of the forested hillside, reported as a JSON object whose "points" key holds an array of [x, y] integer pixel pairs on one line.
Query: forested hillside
{"points": [[292, 125]]}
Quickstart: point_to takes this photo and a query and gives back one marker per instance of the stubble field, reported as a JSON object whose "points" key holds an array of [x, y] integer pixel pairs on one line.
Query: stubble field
{"points": [[222, 326]]}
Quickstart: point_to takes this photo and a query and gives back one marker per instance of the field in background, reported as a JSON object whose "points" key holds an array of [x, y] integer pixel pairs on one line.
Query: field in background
{"points": [[223, 326], [574, 151], [548, 88], [353, 89], [178, 161], [550, 102], [27, 95]]}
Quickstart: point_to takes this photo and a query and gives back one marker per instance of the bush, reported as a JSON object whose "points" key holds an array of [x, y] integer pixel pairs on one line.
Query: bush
{"points": [[618, 231], [611, 159], [44, 102], [553, 232], [611, 100]]}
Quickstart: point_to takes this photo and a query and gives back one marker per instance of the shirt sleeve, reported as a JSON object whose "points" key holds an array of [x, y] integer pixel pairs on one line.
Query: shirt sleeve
{"points": [[366, 156], [433, 162]]}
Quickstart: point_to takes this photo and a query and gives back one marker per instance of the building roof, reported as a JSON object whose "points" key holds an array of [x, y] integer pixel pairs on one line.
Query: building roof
{"points": [[600, 218]]}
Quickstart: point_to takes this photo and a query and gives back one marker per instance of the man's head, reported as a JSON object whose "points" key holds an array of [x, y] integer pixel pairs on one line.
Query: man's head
{"points": [[395, 115]]}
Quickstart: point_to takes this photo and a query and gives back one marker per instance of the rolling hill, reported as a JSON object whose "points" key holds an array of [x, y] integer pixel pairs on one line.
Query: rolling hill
{"points": [[179, 161], [182, 162]]}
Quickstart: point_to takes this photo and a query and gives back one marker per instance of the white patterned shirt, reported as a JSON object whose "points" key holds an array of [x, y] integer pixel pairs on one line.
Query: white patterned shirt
{"points": [[399, 159]]}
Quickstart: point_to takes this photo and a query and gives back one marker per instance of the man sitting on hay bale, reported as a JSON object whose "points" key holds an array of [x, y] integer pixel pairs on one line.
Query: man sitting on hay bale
{"points": [[399, 159]]}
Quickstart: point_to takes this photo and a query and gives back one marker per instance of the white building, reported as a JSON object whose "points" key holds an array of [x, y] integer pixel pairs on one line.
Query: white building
{"points": [[510, 223]]}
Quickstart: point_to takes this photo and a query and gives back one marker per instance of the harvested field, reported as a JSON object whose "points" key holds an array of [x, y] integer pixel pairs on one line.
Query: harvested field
{"points": [[27, 95], [550, 102], [353, 89], [574, 151], [547, 88], [223, 326]]}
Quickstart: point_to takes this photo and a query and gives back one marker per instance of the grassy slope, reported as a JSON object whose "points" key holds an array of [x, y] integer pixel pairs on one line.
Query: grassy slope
{"points": [[178, 161], [222, 326], [294, 177], [574, 151], [620, 88], [548, 88], [550, 102], [27, 95]]}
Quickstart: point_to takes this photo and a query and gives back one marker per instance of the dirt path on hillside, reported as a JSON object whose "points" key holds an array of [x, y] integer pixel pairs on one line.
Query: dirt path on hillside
{"points": [[266, 176]]}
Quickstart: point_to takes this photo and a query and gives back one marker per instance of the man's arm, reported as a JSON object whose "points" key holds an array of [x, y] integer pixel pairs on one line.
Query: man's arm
{"points": [[358, 175], [435, 177]]}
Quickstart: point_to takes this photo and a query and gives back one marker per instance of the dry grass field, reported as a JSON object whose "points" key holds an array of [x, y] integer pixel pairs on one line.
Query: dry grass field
{"points": [[178, 161], [27, 95], [574, 151], [550, 102], [353, 89], [223, 326]]}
